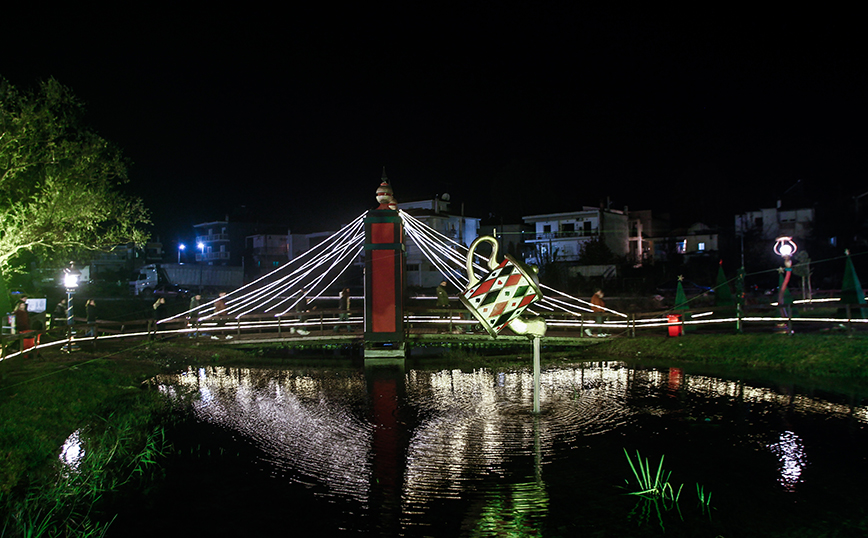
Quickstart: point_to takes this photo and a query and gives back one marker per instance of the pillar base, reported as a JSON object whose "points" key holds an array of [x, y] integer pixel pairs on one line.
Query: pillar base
{"points": [[385, 350]]}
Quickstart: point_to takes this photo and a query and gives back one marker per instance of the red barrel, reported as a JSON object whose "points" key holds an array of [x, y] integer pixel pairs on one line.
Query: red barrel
{"points": [[675, 330]]}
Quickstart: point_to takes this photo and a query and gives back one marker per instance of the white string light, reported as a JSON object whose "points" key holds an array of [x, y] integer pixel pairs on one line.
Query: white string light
{"points": [[251, 297]]}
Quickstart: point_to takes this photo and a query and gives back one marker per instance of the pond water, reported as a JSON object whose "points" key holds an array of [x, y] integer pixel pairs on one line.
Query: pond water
{"points": [[422, 451]]}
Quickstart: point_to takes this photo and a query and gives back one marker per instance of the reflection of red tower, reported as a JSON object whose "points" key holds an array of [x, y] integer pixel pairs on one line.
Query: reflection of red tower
{"points": [[389, 444], [385, 405], [675, 377], [384, 277]]}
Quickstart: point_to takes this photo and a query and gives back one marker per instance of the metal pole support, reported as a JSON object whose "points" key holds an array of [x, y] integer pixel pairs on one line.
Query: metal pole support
{"points": [[536, 373]]}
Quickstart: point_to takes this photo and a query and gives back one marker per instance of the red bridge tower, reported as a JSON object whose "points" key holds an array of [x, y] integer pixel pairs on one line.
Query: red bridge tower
{"points": [[384, 278]]}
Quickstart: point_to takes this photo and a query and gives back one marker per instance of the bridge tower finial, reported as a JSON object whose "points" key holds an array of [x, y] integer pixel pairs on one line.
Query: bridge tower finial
{"points": [[385, 195]]}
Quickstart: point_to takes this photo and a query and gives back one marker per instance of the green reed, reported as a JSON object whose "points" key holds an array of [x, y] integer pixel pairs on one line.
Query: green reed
{"points": [[118, 451], [656, 487], [656, 492], [704, 499]]}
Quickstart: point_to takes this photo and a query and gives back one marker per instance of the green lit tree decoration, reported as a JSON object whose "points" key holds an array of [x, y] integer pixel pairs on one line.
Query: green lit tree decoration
{"points": [[722, 293], [851, 289], [681, 302], [680, 297]]}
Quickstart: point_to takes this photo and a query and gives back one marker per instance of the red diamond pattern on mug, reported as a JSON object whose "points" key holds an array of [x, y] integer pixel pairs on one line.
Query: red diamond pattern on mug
{"points": [[502, 296]]}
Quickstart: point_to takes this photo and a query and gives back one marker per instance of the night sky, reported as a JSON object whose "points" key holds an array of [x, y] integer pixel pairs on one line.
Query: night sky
{"points": [[511, 108]]}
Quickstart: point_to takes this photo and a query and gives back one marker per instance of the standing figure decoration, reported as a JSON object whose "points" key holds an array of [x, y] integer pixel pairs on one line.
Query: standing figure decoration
{"points": [[785, 247]]}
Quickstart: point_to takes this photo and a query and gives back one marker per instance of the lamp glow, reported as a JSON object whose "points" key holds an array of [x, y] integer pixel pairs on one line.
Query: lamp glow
{"points": [[785, 246], [70, 277]]}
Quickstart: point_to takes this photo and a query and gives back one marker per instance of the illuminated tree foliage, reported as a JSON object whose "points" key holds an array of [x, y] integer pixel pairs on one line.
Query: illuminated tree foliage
{"points": [[58, 181]]}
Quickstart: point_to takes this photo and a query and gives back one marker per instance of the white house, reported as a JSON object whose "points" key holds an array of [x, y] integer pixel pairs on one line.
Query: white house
{"points": [[561, 236], [435, 212]]}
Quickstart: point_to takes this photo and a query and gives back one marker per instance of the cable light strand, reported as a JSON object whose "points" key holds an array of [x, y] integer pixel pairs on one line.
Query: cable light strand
{"points": [[239, 300]]}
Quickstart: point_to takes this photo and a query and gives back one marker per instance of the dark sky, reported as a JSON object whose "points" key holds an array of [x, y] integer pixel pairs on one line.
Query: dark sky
{"points": [[511, 108]]}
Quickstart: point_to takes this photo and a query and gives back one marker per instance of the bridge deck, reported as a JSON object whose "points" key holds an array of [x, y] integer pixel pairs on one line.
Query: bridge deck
{"points": [[421, 336]]}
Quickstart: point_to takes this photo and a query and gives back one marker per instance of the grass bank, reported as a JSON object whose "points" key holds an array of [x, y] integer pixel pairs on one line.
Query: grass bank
{"points": [[808, 355], [100, 397]]}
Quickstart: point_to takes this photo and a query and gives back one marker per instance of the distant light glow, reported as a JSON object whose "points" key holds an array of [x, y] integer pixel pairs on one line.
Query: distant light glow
{"points": [[791, 455], [71, 453]]}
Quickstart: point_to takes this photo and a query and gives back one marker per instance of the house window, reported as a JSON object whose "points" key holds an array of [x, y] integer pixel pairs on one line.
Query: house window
{"points": [[412, 267], [568, 227], [701, 246], [681, 246], [547, 228]]}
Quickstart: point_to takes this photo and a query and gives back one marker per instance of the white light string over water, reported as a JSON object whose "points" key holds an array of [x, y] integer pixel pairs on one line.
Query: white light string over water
{"points": [[305, 273], [314, 271]]}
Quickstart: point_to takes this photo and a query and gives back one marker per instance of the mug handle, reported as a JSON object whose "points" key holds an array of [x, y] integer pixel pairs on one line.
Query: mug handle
{"points": [[492, 260]]}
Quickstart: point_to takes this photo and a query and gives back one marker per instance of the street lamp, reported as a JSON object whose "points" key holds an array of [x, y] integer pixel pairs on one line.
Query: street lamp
{"points": [[785, 247], [201, 246], [71, 275], [181, 247]]}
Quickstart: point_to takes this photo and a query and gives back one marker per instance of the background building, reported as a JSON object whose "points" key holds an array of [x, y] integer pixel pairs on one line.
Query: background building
{"points": [[435, 212], [561, 236], [776, 222]]}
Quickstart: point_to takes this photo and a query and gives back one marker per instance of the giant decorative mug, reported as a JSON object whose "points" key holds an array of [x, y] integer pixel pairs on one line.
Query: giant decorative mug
{"points": [[504, 294]]}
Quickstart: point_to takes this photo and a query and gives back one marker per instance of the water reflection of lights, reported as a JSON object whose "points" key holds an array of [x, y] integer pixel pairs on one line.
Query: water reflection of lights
{"points": [[475, 421], [303, 425], [797, 402], [791, 454], [72, 451], [467, 432]]}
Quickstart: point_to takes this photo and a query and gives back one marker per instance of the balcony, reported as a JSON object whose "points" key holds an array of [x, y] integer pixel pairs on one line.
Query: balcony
{"points": [[212, 238], [211, 256], [550, 236]]}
